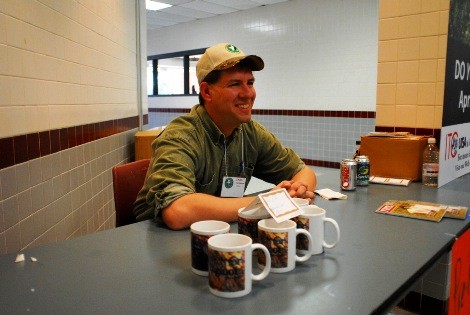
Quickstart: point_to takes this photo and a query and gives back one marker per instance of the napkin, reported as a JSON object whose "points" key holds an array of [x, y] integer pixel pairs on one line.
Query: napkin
{"points": [[389, 181], [330, 194]]}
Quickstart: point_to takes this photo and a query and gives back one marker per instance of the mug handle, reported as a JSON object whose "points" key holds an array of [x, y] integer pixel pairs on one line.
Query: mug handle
{"points": [[267, 267], [310, 242], [335, 224]]}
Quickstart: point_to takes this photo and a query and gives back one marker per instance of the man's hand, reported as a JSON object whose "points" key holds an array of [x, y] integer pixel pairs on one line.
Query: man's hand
{"points": [[297, 189]]}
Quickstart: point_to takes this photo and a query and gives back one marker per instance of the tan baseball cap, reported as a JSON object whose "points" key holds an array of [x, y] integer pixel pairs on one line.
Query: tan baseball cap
{"points": [[223, 56]]}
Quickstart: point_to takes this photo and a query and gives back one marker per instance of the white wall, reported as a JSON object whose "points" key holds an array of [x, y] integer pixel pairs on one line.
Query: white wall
{"points": [[319, 54], [65, 63]]}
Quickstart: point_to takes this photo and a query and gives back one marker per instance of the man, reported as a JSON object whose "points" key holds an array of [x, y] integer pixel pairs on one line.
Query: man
{"points": [[203, 161]]}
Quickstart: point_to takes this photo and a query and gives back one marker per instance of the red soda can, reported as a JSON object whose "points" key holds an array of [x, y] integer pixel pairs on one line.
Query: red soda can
{"points": [[348, 171]]}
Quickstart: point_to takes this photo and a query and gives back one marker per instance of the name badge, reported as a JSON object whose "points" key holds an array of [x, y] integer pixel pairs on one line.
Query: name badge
{"points": [[233, 186]]}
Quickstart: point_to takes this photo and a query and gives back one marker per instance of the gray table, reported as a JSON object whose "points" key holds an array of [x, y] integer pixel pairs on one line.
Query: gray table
{"points": [[142, 268]]}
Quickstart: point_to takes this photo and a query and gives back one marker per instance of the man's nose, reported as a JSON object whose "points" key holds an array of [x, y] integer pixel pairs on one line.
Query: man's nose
{"points": [[247, 91]]}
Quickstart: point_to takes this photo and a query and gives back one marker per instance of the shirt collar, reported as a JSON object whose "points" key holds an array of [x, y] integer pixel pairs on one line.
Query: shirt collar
{"points": [[215, 134]]}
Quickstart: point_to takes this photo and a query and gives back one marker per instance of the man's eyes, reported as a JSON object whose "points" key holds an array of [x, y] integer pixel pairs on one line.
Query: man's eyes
{"points": [[249, 83]]}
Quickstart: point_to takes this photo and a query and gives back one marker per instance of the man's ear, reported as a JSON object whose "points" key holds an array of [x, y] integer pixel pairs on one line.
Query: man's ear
{"points": [[205, 91]]}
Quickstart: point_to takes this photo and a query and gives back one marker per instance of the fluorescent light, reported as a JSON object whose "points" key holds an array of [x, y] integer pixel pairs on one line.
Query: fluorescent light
{"points": [[155, 5]]}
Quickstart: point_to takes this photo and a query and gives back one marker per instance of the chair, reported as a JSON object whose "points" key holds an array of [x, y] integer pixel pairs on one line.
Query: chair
{"points": [[128, 179]]}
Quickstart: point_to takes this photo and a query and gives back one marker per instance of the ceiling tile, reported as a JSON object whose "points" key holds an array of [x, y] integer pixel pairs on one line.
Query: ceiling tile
{"points": [[155, 15], [236, 4], [179, 10], [189, 10], [208, 7]]}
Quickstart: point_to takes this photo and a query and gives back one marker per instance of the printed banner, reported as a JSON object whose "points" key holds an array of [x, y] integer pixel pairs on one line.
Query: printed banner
{"points": [[455, 133]]}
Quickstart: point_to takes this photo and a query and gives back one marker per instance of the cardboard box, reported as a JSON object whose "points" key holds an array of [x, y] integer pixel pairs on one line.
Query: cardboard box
{"points": [[395, 157], [143, 142]]}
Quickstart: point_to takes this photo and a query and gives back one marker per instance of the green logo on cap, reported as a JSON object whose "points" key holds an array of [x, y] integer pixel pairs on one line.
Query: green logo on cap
{"points": [[232, 48], [228, 182]]}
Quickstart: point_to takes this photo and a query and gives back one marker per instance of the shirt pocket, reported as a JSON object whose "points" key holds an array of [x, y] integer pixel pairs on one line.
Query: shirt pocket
{"points": [[208, 184]]}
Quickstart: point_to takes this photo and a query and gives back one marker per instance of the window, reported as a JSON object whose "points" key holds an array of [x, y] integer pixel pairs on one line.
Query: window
{"points": [[173, 74]]}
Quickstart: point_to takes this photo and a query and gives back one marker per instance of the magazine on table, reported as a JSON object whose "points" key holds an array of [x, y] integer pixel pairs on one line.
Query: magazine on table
{"points": [[422, 210]]}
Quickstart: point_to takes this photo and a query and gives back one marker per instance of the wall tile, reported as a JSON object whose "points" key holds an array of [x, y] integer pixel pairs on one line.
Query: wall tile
{"points": [[408, 49], [9, 183], [387, 72], [15, 58], [429, 24], [425, 117], [386, 115], [442, 52], [5, 98], [26, 227], [22, 177], [439, 93], [35, 171], [386, 94], [3, 33], [388, 9], [24, 204], [408, 26], [406, 115], [441, 67], [407, 93], [429, 47], [426, 93], [408, 7], [388, 50], [443, 22], [12, 239], [407, 71], [17, 95], [430, 6], [444, 4], [438, 116], [388, 29], [3, 247], [428, 70], [2, 222]]}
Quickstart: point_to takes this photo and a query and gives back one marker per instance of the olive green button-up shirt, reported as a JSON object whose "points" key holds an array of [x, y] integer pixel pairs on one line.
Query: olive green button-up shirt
{"points": [[192, 155]]}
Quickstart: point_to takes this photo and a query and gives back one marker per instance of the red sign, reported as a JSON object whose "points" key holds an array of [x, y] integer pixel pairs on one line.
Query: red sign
{"points": [[459, 300]]}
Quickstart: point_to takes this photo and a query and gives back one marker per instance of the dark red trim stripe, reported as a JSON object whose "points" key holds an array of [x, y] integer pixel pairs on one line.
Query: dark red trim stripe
{"points": [[321, 163], [169, 110], [285, 112], [22, 148]]}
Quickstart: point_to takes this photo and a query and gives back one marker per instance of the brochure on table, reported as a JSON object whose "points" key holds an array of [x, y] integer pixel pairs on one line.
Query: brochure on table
{"points": [[422, 210], [278, 203]]}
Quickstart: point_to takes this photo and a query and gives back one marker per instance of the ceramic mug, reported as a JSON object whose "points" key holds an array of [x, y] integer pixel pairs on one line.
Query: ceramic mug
{"points": [[280, 239], [301, 202], [313, 220], [230, 264], [200, 232], [248, 221]]}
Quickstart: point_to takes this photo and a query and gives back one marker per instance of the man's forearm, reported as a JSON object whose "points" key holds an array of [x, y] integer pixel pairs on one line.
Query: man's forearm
{"points": [[306, 176], [184, 211]]}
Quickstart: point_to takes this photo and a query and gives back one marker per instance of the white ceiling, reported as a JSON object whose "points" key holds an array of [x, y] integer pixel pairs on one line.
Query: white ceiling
{"points": [[183, 11]]}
